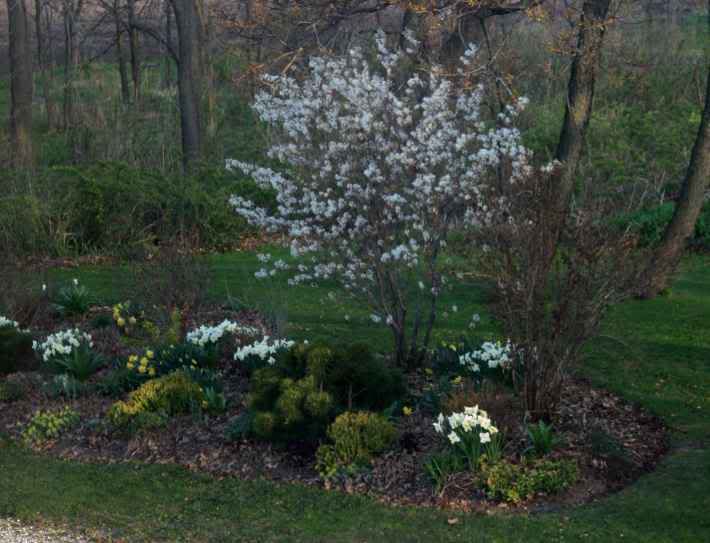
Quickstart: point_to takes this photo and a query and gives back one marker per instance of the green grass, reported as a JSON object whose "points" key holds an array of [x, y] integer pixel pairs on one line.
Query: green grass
{"points": [[655, 353]]}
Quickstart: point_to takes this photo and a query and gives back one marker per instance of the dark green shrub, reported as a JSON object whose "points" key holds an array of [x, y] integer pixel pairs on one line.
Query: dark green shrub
{"points": [[16, 352], [356, 438], [72, 300], [650, 225]]}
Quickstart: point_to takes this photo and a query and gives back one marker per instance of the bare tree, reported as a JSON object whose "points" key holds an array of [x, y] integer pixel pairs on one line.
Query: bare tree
{"points": [[43, 22], [134, 48], [690, 203], [21, 82], [71, 11]]}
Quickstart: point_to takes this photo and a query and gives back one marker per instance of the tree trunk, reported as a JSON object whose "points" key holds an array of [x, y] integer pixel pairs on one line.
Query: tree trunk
{"points": [[168, 68], [682, 225], [135, 53], [122, 68], [189, 28], [20, 83], [580, 98], [43, 63]]}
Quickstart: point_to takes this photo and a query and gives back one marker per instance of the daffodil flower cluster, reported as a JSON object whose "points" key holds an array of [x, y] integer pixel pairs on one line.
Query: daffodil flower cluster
{"points": [[471, 431], [145, 364], [205, 336], [62, 344], [265, 350], [8, 323], [493, 355], [380, 170]]}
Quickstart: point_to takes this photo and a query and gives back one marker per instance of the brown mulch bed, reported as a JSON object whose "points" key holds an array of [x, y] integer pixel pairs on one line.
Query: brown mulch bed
{"points": [[612, 441]]}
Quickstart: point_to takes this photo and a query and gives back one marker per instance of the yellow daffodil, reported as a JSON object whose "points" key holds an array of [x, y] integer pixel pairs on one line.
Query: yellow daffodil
{"points": [[151, 372], [204, 404], [429, 371], [458, 380], [142, 369], [144, 361], [407, 411], [133, 358], [150, 354], [130, 365], [121, 322]]}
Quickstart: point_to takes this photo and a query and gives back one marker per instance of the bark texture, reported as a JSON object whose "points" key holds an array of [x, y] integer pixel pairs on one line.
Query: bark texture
{"points": [[21, 85]]}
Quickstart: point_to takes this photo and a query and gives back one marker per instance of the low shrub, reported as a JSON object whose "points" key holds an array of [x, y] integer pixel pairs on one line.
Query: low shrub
{"points": [[650, 225], [49, 425], [155, 400], [515, 483], [356, 438]]}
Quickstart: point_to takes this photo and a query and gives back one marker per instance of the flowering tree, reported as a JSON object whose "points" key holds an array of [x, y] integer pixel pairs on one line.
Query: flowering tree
{"points": [[382, 165]]}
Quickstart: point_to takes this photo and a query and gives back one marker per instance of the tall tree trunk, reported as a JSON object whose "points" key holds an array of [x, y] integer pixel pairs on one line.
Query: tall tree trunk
{"points": [[680, 229], [20, 83], [122, 67], [189, 27], [580, 97], [71, 65], [135, 53], [43, 62], [168, 68]]}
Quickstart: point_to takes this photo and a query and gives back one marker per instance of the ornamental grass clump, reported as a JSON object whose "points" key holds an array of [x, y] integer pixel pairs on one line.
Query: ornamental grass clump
{"points": [[383, 162]]}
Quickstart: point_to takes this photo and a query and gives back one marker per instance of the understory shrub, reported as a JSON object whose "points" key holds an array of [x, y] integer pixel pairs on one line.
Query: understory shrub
{"points": [[11, 392], [650, 225], [113, 207], [557, 274], [156, 400], [49, 425], [515, 483], [356, 438]]}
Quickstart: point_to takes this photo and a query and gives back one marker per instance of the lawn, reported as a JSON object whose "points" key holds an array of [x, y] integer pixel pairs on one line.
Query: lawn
{"points": [[656, 353]]}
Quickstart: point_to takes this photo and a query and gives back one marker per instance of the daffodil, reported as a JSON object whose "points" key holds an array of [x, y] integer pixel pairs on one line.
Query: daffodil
{"points": [[150, 354], [121, 322], [407, 411]]}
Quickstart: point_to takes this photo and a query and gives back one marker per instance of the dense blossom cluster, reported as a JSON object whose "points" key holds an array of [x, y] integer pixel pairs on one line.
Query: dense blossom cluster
{"points": [[8, 323], [62, 344], [264, 349], [205, 336], [381, 168], [472, 421], [494, 355]]}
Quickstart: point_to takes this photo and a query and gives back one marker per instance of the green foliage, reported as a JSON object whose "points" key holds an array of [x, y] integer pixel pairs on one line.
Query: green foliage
{"points": [[155, 400], [439, 467], [115, 207], [240, 427], [650, 225], [16, 352], [356, 438], [542, 438], [72, 300], [312, 382], [49, 425], [80, 364], [215, 402], [11, 392], [118, 382], [65, 386], [515, 483]]}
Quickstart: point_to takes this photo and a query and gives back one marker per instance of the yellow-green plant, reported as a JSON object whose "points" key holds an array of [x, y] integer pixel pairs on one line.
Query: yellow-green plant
{"points": [[356, 438], [49, 425], [515, 483], [169, 395]]}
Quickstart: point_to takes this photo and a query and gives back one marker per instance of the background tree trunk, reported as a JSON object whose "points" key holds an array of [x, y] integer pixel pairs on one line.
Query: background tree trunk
{"points": [[133, 40], [580, 97], [167, 80], [20, 83], [189, 27], [43, 62], [680, 229], [122, 67]]}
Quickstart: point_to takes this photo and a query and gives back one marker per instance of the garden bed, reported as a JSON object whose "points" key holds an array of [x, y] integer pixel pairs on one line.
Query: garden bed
{"points": [[610, 441]]}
